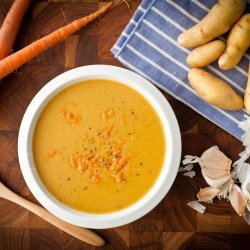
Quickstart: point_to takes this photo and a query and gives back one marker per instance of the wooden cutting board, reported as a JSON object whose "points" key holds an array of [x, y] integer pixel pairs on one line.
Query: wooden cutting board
{"points": [[172, 224]]}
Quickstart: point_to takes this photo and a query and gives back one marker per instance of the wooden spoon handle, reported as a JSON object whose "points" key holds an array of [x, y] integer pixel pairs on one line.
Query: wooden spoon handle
{"points": [[83, 234]]}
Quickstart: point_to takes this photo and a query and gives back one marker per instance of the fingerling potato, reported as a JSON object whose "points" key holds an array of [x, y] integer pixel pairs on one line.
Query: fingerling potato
{"points": [[237, 44], [217, 22], [213, 90], [205, 54], [247, 93]]}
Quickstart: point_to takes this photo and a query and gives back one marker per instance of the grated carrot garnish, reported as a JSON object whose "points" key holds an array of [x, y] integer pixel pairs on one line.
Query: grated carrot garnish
{"points": [[108, 114], [119, 163], [100, 154], [118, 177], [116, 151], [73, 162], [70, 117], [82, 166], [96, 178], [52, 153], [105, 135]]}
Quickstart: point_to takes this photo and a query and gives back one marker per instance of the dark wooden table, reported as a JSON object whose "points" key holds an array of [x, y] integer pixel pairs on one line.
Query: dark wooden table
{"points": [[172, 224]]}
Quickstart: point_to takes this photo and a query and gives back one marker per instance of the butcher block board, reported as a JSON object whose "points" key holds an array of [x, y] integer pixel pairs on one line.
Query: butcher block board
{"points": [[172, 224]]}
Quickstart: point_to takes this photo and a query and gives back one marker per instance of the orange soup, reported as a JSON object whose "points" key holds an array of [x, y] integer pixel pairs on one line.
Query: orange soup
{"points": [[99, 146]]}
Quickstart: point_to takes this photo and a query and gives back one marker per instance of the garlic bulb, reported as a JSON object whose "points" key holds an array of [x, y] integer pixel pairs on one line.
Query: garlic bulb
{"points": [[215, 166]]}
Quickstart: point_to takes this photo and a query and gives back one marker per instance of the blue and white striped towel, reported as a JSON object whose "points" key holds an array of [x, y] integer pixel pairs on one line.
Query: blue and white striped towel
{"points": [[148, 46]]}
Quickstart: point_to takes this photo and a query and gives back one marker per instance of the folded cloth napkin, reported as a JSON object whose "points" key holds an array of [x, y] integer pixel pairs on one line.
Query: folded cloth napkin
{"points": [[148, 46]]}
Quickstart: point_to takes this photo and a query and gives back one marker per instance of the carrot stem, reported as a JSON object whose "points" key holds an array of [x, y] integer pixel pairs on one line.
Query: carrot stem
{"points": [[11, 25], [17, 59]]}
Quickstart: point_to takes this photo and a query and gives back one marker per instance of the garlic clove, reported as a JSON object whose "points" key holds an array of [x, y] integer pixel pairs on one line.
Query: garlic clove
{"points": [[214, 173], [207, 194], [216, 183], [237, 200]]}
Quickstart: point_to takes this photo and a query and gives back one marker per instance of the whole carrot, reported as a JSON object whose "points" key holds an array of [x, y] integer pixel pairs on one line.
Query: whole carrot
{"points": [[11, 25], [14, 61]]}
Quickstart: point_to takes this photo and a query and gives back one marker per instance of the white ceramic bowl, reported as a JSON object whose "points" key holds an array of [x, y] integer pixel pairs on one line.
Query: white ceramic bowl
{"points": [[169, 169]]}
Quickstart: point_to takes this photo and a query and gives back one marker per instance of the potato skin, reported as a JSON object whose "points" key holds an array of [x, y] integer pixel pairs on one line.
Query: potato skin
{"points": [[247, 93], [217, 22], [205, 54], [237, 44], [214, 91]]}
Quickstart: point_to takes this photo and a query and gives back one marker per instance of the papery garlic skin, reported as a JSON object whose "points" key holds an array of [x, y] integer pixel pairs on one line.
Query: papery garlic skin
{"points": [[242, 171], [246, 217], [245, 186], [246, 138], [244, 155], [197, 206], [207, 194], [188, 167], [190, 174], [224, 189], [245, 124]]}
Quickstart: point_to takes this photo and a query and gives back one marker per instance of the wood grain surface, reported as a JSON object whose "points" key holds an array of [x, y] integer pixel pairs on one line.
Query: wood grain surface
{"points": [[172, 224]]}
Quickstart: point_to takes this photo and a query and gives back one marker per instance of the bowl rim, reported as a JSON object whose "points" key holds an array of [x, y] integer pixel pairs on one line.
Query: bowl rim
{"points": [[171, 132]]}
